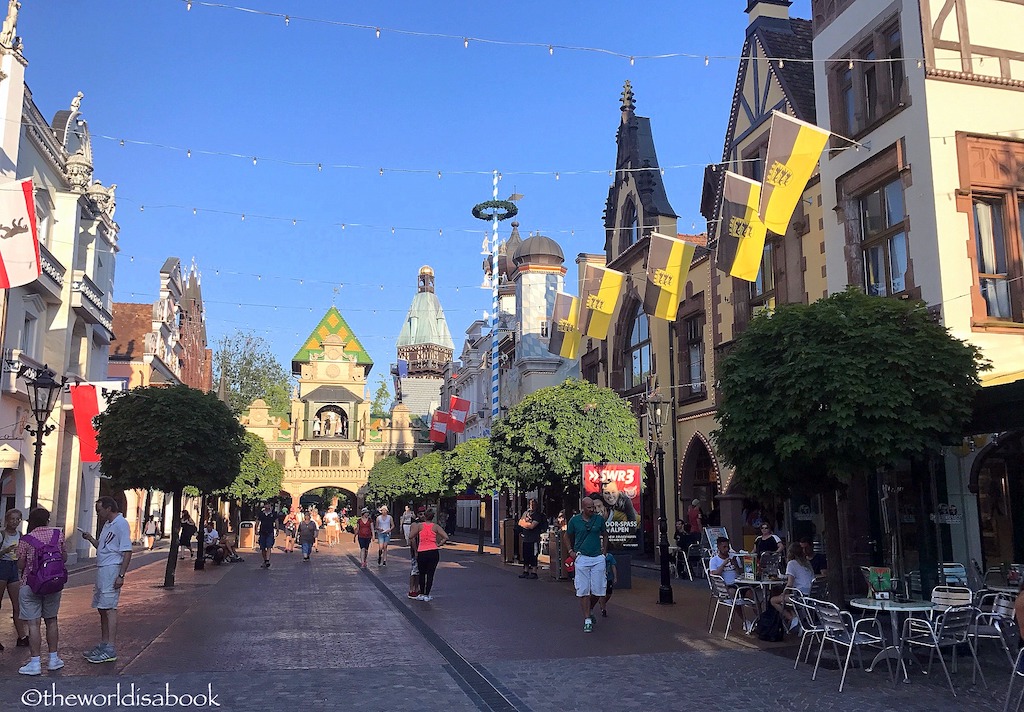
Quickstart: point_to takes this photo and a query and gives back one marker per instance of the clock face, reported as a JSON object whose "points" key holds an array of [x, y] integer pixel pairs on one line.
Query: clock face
{"points": [[334, 354]]}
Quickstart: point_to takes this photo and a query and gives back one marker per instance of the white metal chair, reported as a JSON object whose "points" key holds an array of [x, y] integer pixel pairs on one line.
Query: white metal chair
{"points": [[839, 628], [723, 597], [810, 626], [944, 597], [945, 630], [1018, 671], [995, 621]]}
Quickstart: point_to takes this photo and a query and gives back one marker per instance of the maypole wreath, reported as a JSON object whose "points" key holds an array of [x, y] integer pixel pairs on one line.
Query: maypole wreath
{"points": [[489, 210]]}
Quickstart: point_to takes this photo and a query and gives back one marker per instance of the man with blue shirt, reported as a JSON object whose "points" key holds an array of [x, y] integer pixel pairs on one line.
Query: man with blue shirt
{"points": [[586, 540]]}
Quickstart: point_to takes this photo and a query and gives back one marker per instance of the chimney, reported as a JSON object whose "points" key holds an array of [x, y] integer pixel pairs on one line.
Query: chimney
{"points": [[774, 9]]}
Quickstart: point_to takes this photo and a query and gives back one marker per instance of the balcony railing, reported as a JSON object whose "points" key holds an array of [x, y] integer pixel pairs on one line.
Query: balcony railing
{"points": [[87, 301]]}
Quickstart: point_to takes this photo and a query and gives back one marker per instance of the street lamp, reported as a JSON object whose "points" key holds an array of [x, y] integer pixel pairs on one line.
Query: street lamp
{"points": [[296, 448], [655, 415], [361, 449], [42, 394]]}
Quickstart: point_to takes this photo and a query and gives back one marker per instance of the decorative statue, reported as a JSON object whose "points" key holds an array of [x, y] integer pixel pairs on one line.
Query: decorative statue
{"points": [[10, 24], [112, 203], [76, 103]]}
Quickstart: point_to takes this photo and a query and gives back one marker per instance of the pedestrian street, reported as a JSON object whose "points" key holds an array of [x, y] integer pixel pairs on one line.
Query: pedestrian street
{"points": [[326, 634]]}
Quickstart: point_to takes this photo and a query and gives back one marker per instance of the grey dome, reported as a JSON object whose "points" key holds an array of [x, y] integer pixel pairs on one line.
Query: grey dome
{"points": [[538, 250]]}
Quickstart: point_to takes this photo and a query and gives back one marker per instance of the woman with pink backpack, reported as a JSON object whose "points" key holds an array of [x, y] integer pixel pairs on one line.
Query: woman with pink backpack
{"points": [[42, 556]]}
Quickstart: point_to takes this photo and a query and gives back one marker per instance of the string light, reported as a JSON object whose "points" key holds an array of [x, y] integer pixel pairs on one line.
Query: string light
{"points": [[287, 20], [382, 171], [465, 42], [122, 142], [320, 167], [551, 50], [707, 61], [188, 6], [378, 33], [254, 160], [243, 217], [188, 153], [850, 64], [439, 175], [632, 61]]}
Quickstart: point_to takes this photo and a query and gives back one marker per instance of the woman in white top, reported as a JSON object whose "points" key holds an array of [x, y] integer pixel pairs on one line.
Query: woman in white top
{"points": [[799, 575], [150, 532], [10, 581]]}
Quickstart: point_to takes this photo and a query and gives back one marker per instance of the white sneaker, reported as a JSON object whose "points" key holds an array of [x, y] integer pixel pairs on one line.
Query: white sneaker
{"points": [[55, 664], [32, 667], [427, 598], [421, 597], [748, 627]]}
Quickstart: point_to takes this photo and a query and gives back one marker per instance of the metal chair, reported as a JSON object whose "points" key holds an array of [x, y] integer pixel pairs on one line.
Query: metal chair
{"points": [[770, 563], [810, 627], [693, 553], [723, 597], [819, 588], [839, 628], [944, 597], [953, 574], [946, 630], [1018, 671], [995, 622]]}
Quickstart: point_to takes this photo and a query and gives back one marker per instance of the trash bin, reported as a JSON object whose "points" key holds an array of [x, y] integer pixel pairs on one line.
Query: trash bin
{"points": [[247, 535], [509, 545], [623, 570]]}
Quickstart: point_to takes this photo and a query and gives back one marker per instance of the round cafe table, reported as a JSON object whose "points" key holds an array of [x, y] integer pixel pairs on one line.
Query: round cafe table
{"points": [[896, 610], [764, 585]]}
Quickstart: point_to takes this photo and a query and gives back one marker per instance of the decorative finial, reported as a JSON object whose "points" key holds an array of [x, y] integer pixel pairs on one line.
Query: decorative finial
{"points": [[10, 26], [76, 103], [628, 103], [515, 223]]}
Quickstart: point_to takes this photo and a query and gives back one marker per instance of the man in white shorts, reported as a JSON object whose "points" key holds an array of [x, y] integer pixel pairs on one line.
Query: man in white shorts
{"points": [[586, 540], [113, 554], [331, 521]]}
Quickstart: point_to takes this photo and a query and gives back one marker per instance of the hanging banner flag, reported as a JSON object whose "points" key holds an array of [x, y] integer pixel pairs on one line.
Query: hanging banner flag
{"points": [[88, 401], [403, 368], [598, 297], [564, 338], [742, 234], [439, 426], [19, 243], [794, 148], [668, 264], [458, 411]]}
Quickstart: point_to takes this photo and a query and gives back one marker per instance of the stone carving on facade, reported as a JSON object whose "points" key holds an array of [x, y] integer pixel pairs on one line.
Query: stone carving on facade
{"points": [[103, 197], [10, 26], [79, 171], [76, 103]]}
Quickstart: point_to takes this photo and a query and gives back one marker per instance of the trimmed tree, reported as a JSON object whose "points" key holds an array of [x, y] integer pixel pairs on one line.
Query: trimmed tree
{"points": [[259, 476], [250, 371], [546, 437], [816, 395], [423, 475], [470, 467], [385, 483], [168, 438]]}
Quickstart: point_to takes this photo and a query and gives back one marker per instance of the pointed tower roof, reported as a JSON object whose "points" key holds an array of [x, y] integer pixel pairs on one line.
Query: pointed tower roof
{"points": [[332, 323], [425, 322]]}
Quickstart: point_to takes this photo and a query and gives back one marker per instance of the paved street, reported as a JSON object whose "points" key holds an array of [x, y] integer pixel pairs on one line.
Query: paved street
{"points": [[327, 634]]}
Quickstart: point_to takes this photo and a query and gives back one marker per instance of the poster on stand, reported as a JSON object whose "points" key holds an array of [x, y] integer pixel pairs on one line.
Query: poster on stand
{"points": [[617, 486]]}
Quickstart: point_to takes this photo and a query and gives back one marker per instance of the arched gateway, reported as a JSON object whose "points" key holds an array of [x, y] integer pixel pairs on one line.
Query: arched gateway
{"points": [[332, 368]]}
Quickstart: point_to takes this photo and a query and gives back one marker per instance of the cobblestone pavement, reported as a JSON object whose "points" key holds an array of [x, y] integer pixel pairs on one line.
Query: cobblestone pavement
{"points": [[326, 634]]}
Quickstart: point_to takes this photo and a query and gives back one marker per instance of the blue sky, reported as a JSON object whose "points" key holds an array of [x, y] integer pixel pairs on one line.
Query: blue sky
{"points": [[226, 81]]}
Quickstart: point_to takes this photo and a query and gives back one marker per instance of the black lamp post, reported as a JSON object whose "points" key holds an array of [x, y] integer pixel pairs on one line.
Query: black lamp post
{"points": [[655, 414], [42, 394]]}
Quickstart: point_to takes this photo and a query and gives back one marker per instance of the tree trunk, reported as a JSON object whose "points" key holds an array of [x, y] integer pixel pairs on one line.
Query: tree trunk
{"points": [[172, 554], [834, 548], [481, 523], [200, 564]]}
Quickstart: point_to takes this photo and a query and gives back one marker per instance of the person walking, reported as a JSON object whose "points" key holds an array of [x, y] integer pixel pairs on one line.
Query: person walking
{"points": [[291, 524], [586, 540], [10, 580], [149, 531], [35, 607], [332, 522], [267, 523], [364, 533], [406, 521], [428, 538], [307, 535], [113, 554], [314, 514], [533, 523], [187, 531], [384, 524]]}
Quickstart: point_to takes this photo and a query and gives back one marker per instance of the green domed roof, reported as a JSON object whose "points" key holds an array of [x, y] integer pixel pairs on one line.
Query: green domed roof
{"points": [[425, 322]]}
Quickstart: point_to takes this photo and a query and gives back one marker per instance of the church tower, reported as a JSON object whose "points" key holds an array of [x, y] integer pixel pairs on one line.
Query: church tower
{"points": [[425, 349]]}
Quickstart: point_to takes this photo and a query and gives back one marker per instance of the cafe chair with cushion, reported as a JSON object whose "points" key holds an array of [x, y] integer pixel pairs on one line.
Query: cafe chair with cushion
{"points": [[995, 622], [839, 628], [1018, 671], [810, 626], [946, 630], [724, 598], [944, 597]]}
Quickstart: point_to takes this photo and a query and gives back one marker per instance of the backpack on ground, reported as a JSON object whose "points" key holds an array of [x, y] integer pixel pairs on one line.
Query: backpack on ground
{"points": [[48, 574], [770, 626]]}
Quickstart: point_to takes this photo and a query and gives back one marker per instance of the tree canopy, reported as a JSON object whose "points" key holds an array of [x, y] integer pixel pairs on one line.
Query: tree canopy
{"points": [[470, 466], [385, 481], [381, 400], [546, 437], [251, 371], [424, 475], [259, 477]]}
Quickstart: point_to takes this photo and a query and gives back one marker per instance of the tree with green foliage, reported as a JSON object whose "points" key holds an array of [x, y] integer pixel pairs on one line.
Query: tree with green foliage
{"points": [[816, 395], [470, 467], [379, 406], [168, 438], [251, 371], [259, 477], [385, 483], [424, 475], [546, 437]]}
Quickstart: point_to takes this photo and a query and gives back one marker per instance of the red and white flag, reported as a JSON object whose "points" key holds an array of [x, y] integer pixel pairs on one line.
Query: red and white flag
{"points": [[458, 412], [439, 426], [19, 242], [88, 401]]}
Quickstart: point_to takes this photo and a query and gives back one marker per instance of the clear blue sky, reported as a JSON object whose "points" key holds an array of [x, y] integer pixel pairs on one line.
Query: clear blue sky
{"points": [[226, 81]]}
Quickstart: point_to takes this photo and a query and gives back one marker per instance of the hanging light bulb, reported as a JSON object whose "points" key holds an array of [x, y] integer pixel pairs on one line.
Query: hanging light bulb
{"points": [[782, 63], [188, 6], [439, 175], [632, 61], [254, 160], [378, 33], [287, 20], [243, 217], [294, 222], [188, 153], [142, 208], [343, 226], [920, 63], [121, 142], [392, 231], [551, 50], [194, 211], [132, 258], [319, 167], [300, 281], [382, 171], [849, 65], [440, 232], [465, 42], [259, 278], [556, 175], [707, 60]]}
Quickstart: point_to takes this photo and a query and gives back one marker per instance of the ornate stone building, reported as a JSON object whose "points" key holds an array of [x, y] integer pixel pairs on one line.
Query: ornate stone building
{"points": [[426, 344]]}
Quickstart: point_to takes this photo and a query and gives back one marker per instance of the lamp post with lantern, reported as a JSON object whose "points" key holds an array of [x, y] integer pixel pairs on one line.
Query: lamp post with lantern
{"points": [[655, 414], [43, 390]]}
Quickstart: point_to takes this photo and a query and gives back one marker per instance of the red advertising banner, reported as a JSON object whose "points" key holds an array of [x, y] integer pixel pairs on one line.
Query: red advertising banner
{"points": [[615, 490]]}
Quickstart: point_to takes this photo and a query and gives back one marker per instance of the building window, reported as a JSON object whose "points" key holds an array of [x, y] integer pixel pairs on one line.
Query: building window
{"points": [[762, 289], [693, 355], [884, 239], [314, 458], [630, 225], [544, 329], [638, 350], [865, 89], [28, 333], [999, 255]]}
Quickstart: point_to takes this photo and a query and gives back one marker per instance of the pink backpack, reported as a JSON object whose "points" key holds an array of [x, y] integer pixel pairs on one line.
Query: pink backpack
{"points": [[48, 574]]}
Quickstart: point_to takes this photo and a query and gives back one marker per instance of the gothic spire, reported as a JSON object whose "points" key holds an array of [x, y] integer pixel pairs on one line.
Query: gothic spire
{"points": [[628, 103]]}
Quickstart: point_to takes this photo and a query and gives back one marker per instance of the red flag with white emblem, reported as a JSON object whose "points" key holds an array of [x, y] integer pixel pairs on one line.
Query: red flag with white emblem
{"points": [[458, 411], [439, 427], [19, 242]]}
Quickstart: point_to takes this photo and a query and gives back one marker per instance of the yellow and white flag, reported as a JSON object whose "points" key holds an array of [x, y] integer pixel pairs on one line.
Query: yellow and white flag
{"points": [[564, 339], [741, 234], [794, 148], [668, 264], [599, 294]]}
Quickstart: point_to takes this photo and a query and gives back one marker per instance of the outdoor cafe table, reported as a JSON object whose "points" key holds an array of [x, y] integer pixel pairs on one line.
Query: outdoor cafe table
{"points": [[764, 584], [895, 610], [1010, 590]]}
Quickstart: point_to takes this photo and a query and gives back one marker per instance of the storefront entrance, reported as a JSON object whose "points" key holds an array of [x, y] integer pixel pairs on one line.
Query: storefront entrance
{"points": [[998, 479]]}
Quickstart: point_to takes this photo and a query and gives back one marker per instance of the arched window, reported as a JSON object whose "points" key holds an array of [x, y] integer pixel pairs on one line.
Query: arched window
{"points": [[630, 225], [279, 457], [637, 364], [314, 458]]}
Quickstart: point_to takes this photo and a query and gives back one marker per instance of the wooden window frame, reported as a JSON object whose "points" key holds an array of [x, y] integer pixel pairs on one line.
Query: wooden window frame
{"points": [[884, 236], [763, 299], [630, 347], [691, 333]]}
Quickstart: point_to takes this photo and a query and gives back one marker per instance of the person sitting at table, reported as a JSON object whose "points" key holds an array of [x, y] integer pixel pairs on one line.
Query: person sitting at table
{"points": [[728, 567], [768, 542], [818, 561], [799, 575]]}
